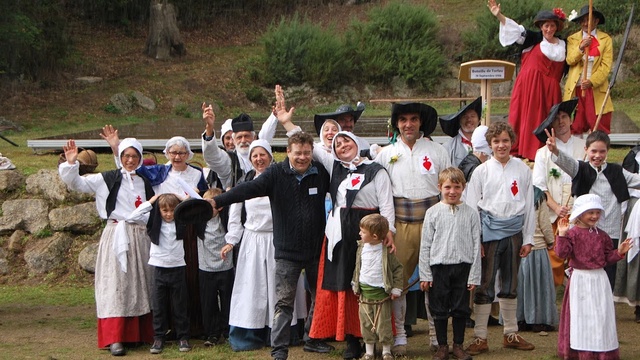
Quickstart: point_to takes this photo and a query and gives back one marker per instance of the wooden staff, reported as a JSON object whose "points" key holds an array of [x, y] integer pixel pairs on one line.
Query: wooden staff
{"points": [[586, 51]]}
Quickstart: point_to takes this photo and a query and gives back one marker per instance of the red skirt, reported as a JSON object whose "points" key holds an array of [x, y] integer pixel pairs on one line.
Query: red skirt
{"points": [[125, 330], [586, 117], [336, 312]]}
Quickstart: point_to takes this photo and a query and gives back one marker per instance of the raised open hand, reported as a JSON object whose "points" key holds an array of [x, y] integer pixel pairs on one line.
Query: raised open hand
{"points": [[624, 246], [70, 152], [563, 226], [280, 110]]}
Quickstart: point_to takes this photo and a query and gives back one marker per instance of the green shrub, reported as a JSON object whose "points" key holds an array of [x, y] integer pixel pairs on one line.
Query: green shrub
{"points": [[297, 52], [182, 110], [616, 14], [482, 41], [111, 109], [33, 37], [399, 40]]}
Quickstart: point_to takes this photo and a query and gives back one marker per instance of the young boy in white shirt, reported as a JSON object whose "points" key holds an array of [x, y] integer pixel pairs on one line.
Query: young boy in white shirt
{"points": [[450, 261], [166, 257], [501, 191]]}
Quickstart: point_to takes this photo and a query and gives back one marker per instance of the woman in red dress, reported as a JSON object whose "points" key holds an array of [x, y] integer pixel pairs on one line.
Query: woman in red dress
{"points": [[537, 87]]}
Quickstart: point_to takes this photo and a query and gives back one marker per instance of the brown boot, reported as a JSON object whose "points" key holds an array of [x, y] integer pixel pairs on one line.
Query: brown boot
{"points": [[442, 353], [515, 341], [459, 353], [477, 346]]}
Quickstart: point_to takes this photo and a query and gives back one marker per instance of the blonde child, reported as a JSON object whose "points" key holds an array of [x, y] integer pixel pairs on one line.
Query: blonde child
{"points": [[215, 278], [450, 261], [378, 275], [588, 322]]}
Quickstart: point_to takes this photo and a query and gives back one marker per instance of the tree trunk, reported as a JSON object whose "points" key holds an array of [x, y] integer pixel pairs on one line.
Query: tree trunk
{"points": [[164, 37]]}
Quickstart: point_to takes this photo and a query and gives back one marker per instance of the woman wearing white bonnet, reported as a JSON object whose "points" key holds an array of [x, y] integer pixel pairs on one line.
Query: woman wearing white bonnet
{"points": [[122, 275], [358, 187], [226, 136]]}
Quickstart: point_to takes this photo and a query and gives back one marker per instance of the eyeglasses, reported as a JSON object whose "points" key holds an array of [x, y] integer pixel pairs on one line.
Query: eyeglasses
{"points": [[131, 157], [177, 153]]}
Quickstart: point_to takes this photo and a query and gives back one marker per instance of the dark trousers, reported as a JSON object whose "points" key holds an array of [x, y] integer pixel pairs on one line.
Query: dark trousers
{"points": [[215, 299], [170, 286], [503, 255], [287, 274], [449, 297]]}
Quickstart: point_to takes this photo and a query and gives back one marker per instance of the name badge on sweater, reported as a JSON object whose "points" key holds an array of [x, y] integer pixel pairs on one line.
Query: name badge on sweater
{"points": [[355, 181], [427, 166], [313, 191], [514, 188]]}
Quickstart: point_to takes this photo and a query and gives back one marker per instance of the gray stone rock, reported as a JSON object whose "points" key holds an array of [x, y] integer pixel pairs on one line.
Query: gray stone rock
{"points": [[122, 102], [4, 263], [11, 180], [4, 266], [8, 124], [87, 258], [143, 101], [8, 224], [621, 123], [16, 241], [48, 184], [32, 214], [81, 219], [88, 79], [48, 253]]}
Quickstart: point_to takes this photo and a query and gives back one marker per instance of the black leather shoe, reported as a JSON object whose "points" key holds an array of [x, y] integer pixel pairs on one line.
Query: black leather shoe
{"points": [[317, 346], [353, 350], [117, 349]]}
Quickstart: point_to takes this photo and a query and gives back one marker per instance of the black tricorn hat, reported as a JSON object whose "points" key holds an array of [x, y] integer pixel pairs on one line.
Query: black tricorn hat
{"points": [[428, 115], [584, 11], [450, 124], [319, 119], [567, 106], [193, 211], [242, 122]]}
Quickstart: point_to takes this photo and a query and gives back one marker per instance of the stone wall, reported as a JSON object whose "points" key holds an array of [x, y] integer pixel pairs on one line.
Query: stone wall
{"points": [[41, 222]]}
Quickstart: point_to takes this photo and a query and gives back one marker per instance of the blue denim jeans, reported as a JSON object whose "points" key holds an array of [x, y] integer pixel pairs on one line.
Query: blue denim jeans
{"points": [[287, 274]]}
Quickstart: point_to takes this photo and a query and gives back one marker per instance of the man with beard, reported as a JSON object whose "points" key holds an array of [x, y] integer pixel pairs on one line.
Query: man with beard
{"points": [[243, 136]]}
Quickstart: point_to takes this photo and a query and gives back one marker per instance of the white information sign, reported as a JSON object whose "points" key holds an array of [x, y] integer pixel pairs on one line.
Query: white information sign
{"points": [[487, 72]]}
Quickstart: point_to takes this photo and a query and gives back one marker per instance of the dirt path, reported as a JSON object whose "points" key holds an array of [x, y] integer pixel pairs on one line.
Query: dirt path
{"points": [[56, 332]]}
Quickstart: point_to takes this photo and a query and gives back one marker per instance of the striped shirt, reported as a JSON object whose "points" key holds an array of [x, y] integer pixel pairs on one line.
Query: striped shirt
{"points": [[611, 220], [450, 235]]}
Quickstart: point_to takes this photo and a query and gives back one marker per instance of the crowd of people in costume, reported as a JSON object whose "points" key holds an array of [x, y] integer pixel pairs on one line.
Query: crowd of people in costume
{"points": [[322, 246]]}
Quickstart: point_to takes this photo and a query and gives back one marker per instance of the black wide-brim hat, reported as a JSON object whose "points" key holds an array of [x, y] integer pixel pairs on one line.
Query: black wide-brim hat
{"points": [[547, 15], [193, 211], [242, 122], [584, 11], [428, 115], [568, 106], [319, 119], [450, 124]]}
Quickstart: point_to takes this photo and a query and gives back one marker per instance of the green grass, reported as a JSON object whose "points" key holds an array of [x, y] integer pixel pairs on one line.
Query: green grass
{"points": [[39, 295]]}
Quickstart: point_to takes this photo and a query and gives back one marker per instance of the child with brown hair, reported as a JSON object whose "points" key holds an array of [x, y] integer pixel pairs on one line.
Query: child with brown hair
{"points": [[502, 192], [166, 257], [215, 277], [450, 261], [376, 278]]}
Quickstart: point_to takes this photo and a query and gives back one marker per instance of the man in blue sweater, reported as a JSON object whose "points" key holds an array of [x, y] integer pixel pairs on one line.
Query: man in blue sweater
{"points": [[296, 188]]}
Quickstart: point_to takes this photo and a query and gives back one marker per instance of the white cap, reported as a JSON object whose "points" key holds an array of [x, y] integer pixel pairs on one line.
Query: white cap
{"points": [[180, 141], [127, 143], [584, 203], [479, 140], [261, 143], [226, 127]]}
